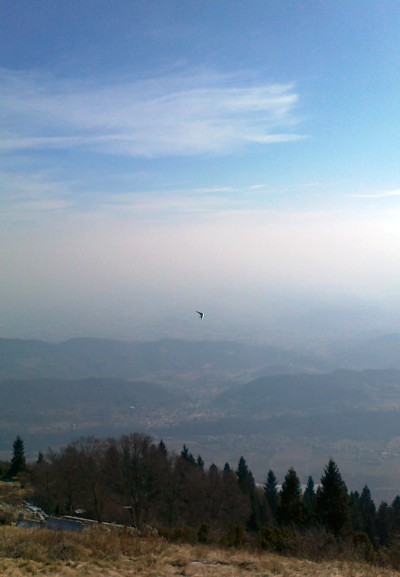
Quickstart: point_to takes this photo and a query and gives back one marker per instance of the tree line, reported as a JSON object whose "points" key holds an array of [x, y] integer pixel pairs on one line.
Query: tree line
{"points": [[135, 481]]}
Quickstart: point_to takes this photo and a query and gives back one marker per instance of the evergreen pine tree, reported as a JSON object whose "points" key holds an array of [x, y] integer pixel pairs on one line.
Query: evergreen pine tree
{"points": [[310, 500], [40, 458], [200, 462], [247, 486], [163, 448], [271, 492], [18, 461], [291, 509], [368, 514], [385, 524], [187, 456], [332, 500], [245, 477], [356, 519], [396, 513]]}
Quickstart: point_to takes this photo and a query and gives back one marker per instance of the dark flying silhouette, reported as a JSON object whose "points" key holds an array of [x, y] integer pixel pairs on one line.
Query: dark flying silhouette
{"points": [[201, 315]]}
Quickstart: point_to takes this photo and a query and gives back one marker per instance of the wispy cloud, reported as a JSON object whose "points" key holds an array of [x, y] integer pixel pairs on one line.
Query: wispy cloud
{"points": [[380, 194], [28, 196], [181, 115], [34, 195]]}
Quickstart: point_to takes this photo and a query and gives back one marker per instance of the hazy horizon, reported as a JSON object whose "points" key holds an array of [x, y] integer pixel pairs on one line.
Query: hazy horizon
{"points": [[238, 158], [298, 323]]}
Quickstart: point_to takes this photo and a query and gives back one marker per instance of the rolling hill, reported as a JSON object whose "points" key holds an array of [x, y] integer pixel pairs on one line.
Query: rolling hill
{"points": [[277, 407], [90, 357]]}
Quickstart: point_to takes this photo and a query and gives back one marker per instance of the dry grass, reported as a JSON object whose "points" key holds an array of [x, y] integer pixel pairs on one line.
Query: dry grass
{"points": [[11, 501], [12, 493], [111, 552], [115, 553]]}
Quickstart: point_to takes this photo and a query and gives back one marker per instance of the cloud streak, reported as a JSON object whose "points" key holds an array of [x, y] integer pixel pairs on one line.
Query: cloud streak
{"points": [[170, 116], [380, 194]]}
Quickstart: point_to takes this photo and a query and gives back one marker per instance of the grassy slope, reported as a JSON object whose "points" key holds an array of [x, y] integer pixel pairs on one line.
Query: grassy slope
{"points": [[111, 552], [114, 554]]}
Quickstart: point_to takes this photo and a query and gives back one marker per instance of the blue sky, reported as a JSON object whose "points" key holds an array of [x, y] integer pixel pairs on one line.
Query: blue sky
{"points": [[162, 156]]}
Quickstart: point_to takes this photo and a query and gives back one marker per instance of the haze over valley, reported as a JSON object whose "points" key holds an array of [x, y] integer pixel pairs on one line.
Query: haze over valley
{"points": [[278, 407]]}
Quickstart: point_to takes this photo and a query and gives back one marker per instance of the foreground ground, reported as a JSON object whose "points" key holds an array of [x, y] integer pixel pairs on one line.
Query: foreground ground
{"points": [[111, 553]]}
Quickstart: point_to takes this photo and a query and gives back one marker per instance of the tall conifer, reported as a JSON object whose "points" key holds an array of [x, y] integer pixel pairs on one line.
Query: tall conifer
{"points": [[291, 509], [245, 477], [368, 513], [271, 492], [332, 500], [385, 524], [18, 461], [310, 500]]}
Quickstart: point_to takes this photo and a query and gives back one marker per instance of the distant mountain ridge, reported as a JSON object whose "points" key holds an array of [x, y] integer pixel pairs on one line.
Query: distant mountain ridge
{"points": [[382, 352], [94, 357], [311, 393], [91, 357]]}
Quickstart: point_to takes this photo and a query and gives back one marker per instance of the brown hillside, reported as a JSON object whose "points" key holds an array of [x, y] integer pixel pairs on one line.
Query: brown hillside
{"points": [[120, 554], [115, 552]]}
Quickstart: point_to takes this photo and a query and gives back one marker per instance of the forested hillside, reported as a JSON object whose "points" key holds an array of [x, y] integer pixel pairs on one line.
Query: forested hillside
{"points": [[90, 357], [136, 482]]}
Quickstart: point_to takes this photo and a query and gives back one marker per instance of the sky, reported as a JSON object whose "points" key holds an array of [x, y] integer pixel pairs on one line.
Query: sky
{"points": [[161, 157]]}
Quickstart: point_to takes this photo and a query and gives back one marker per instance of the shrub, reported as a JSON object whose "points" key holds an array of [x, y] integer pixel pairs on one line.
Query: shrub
{"points": [[235, 536], [179, 535], [203, 535], [363, 547], [278, 539]]}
